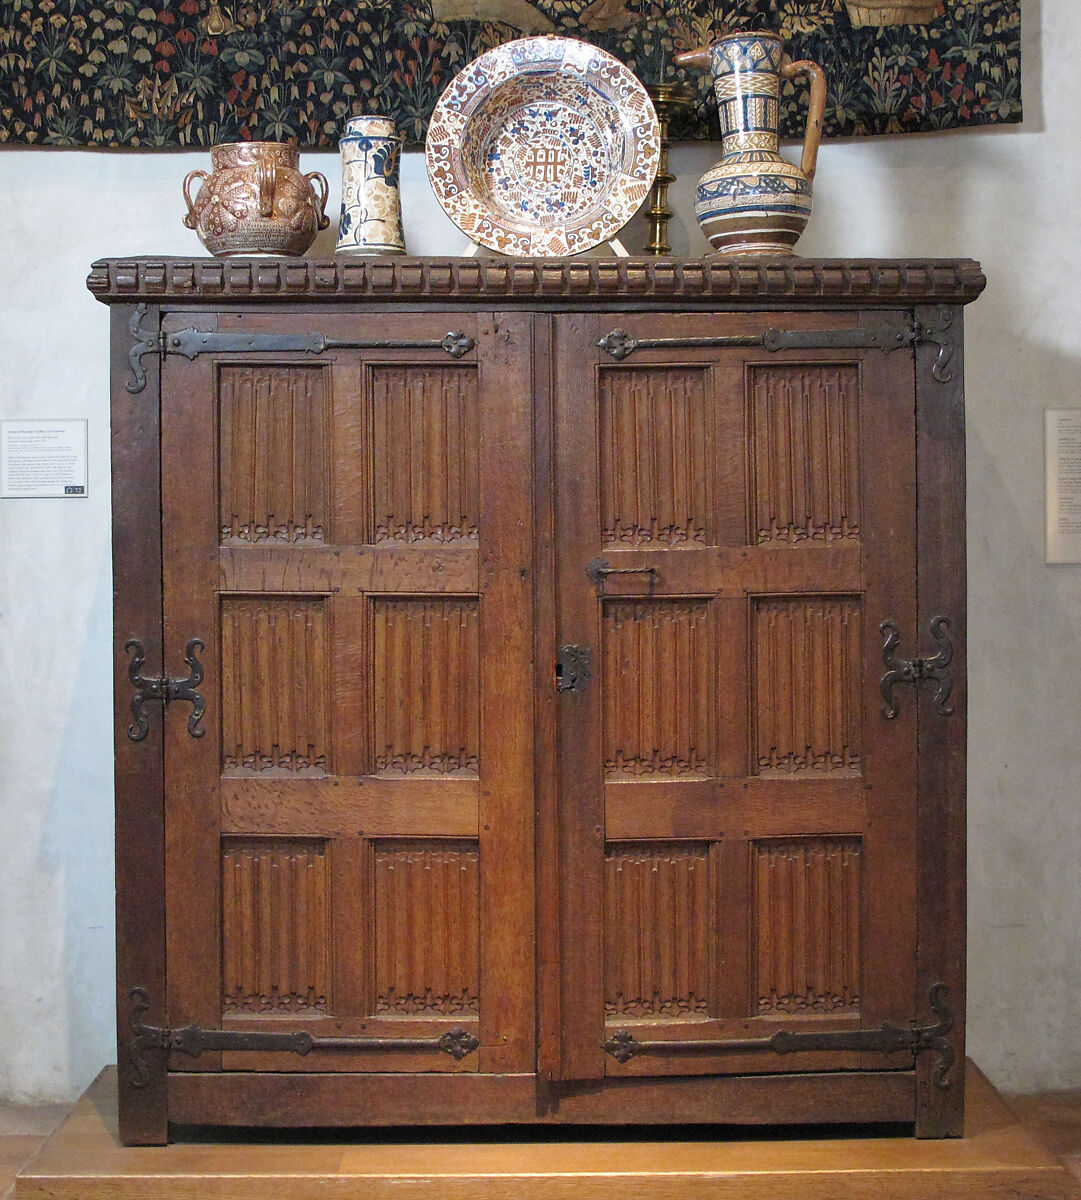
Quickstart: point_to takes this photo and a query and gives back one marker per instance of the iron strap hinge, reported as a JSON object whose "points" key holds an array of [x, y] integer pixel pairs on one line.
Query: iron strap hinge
{"points": [[193, 1040], [887, 336], [190, 343], [900, 670], [888, 1039], [165, 690]]}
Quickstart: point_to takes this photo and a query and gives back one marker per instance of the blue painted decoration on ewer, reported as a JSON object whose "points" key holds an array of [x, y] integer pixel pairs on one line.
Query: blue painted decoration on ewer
{"points": [[754, 201], [371, 220]]}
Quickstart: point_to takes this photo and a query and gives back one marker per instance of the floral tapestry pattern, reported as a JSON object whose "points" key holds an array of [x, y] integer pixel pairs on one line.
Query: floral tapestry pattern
{"points": [[127, 74]]}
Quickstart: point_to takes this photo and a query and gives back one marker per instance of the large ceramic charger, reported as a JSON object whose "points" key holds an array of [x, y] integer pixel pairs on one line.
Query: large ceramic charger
{"points": [[544, 146]]}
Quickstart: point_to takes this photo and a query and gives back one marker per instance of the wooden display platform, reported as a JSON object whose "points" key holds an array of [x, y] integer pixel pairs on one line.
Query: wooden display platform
{"points": [[83, 1160]]}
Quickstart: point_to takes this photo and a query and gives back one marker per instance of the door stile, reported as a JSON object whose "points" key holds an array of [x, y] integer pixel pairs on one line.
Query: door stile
{"points": [[350, 635], [192, 764], [581, 788], [733, 983], [888, 554], [545, 728], [940, 466], [508, 902], [731, 853], [140, 798]]}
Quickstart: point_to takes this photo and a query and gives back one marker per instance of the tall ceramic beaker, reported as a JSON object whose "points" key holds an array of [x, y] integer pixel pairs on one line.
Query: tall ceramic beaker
{"points": [[371, 220]]}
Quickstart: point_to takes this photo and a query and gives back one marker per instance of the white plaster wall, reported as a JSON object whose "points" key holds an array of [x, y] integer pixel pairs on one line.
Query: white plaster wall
{"points": [[1007, 197]]}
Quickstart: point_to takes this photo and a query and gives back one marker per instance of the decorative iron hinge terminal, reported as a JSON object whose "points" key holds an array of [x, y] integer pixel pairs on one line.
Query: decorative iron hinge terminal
{"points": [[937, 332], [146, 341], [193, 1040], [165, 691], [905, 671], [190, 343], [888, 1039]]}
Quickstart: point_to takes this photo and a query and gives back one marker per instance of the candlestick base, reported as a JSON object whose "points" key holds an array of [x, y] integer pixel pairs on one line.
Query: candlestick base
{"points": [[668, 99]]}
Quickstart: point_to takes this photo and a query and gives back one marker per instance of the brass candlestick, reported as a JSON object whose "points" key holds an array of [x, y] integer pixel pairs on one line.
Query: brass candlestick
{"points": [[668, 99]]}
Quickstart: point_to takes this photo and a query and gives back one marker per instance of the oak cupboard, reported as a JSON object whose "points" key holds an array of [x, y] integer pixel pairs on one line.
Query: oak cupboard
{"points": [[540, 691]]}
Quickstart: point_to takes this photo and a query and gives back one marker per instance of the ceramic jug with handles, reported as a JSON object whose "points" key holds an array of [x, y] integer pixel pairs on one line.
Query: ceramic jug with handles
{"points": [[256, 202], [754, 201]]}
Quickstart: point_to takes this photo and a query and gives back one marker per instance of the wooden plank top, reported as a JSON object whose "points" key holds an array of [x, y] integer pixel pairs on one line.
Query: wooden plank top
{"points": [[730, 283], [83, 1160]]}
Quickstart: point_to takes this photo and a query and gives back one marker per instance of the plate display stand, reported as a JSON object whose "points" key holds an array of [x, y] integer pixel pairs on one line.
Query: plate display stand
{"points": [[617, 247]]}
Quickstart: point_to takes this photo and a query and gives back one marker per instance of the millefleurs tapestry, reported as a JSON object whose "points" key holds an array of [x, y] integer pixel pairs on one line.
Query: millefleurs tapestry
{"points": [[195, 72]]}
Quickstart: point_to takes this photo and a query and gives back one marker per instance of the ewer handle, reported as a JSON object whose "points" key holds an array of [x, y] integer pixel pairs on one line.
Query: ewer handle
{"points": [[811, 71]]}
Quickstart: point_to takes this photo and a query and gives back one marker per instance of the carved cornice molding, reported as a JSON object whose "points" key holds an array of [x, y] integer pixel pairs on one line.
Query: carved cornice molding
{"points": [[737, 283]]}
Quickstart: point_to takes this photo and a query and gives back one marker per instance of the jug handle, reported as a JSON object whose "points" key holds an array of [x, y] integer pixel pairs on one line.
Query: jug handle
{"points": [[317, 177], [815, 109], [189, 216], [265, 177]]}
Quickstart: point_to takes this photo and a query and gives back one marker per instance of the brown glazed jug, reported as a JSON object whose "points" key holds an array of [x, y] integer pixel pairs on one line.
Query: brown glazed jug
{"points": [[754, 201], [256, 201]]}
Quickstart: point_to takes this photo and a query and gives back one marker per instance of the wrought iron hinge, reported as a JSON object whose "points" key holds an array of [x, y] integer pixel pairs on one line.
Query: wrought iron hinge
{"points": [[572, 668], [192, 1040], [903, 671], [190, 343], [888, 1039], [165, 690], [937, 332], [146, 341], [887, 336]]}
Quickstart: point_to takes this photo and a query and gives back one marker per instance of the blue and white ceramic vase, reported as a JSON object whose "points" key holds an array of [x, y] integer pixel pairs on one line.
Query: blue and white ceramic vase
{"points": [[754, 201], [371, 221]]}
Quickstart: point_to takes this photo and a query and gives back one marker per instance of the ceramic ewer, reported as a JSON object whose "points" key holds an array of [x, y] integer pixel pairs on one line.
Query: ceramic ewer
{"points": [[371, 220], [754, 201], [255, 201]]}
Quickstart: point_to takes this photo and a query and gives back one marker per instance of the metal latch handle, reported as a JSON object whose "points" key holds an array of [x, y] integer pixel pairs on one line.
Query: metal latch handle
{"points": [[598, 569]]}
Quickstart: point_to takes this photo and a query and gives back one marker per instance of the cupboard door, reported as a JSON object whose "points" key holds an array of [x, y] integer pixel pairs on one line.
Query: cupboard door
{"points": [[349, 846], [738, 817]]}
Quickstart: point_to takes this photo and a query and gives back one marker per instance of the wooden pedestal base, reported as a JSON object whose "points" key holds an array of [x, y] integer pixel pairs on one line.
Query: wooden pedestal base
{"points": [[84, 1161]]}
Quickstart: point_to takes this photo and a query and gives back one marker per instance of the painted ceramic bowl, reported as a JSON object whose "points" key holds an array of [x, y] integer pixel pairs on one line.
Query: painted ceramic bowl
{"points": [[544, 146]]}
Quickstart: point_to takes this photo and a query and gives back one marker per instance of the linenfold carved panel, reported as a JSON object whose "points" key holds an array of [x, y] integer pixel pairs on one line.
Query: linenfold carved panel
{"points": [[425, 453], [275, 926], [427, 686], [807, 924], [273, 424], [658, 711], [656, 444], [274, 683], [426, 908], [804, 453], [806, 678], [657, 920]]}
